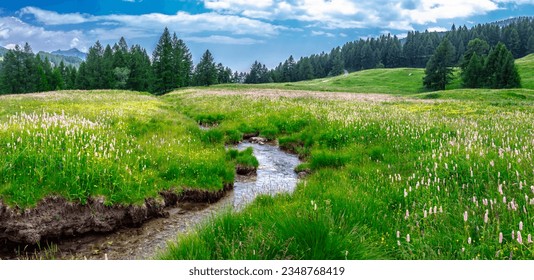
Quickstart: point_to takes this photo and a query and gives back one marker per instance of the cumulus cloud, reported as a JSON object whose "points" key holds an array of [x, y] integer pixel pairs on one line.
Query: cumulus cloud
{"points": [[54, 18], [226, 40], [146, 24], [13, 31], [322, 33], [335, 14]]}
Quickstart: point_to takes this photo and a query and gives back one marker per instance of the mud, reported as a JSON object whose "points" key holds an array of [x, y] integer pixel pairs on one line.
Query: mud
{"points": [[138, 236]]}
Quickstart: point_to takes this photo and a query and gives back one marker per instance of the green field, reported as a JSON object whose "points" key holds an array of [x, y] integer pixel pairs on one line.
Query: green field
{"points": [[404, 175], [123, 146]]}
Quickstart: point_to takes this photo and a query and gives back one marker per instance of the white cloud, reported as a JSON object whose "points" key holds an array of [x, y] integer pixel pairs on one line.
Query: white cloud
{"points": [[346, 14], [16, 32], [430, 11], [149, 24], [322, 33], [237, 4], [215, 39], [437, 29], [53, 18]]}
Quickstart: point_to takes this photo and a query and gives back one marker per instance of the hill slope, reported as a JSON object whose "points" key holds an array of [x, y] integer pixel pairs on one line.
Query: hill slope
{"points": [[525, 66], [401, 81]]}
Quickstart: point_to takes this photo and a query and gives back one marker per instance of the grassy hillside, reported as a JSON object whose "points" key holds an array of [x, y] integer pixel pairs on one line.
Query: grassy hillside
{"points": [[525, 66], [391, 81], [398, 81], [122, 146]]}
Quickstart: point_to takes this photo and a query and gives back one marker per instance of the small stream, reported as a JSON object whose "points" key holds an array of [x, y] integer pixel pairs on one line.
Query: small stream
{"points": [[275, 175]]}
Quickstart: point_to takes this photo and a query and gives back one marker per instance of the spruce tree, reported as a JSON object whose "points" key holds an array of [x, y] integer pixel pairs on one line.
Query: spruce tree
{"points": [[140, 70], [438, 72], [183, 63], [473, 74], [163, 65], [500, 69], [206, 71], [93, 67]]}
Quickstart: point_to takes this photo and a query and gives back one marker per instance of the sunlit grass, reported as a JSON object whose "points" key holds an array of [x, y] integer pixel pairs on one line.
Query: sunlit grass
{"points": [[122, 146], [389, 179]]}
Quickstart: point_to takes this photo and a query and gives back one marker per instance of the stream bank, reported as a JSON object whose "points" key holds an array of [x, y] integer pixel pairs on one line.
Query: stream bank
{"points": [[275, 174]]}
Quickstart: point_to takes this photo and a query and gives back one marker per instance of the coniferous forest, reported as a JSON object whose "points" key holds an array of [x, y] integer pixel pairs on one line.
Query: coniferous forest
{"points": [[171, 65]]}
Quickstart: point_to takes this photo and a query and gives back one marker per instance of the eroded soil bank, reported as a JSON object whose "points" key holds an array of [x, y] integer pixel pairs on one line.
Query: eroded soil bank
{"points": [[139, 236]]}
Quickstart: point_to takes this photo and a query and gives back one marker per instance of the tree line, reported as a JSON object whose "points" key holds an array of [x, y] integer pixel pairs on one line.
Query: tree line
{"points": [[114, 67], [481, 67], [388, 51]]}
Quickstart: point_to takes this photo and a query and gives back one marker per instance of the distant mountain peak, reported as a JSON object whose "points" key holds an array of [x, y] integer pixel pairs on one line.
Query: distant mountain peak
{"points": [[72, 52]]}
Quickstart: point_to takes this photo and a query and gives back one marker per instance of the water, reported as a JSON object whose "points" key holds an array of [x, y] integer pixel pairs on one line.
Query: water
{"points": [[275, 175]]}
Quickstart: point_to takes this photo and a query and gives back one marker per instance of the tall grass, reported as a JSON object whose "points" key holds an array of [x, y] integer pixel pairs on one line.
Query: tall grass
{"points": [[122, 146], [400, 180]]}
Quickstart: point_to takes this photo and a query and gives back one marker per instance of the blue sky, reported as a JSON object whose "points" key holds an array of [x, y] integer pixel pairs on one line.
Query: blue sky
{"points": [[238, 32]]}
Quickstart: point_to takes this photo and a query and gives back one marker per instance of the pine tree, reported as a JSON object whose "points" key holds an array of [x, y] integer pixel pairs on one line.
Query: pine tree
{"points": [[163, 65], [140, 70], [530, 44], [500, 69], [93, 67], [337, 64], [478, 46], [438, 72], [206, 71], [12, 70], [107, 75], [183, 63], [473, 74]]}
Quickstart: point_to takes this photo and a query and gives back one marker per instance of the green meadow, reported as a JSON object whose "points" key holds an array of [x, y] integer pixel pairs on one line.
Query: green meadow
{"points": [[423, 175]]}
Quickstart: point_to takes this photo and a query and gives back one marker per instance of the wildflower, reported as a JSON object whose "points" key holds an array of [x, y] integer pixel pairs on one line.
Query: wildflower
{"points": [[519, 239], [500, 237], [425, 213], [513, 234], [398, 234], [486, 217], [441, 209], [398, 243], [465, 216], [521, 225], [469, 240], [529, 238], [408, 238], [407, 214]]}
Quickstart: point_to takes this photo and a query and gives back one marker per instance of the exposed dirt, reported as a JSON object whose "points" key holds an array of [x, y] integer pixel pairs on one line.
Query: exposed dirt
{"points": [[245, 170], [55, 217], [141, 240]]}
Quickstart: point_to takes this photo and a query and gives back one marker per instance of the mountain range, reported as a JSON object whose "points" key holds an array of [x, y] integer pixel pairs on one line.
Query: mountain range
{"points": [[74, 52], [72, 57]]}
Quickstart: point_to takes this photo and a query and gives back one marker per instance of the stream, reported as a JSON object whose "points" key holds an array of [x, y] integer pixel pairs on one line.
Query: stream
{"points": [[275, 175]]}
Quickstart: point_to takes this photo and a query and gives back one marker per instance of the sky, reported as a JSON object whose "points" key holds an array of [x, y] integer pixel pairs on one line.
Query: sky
{"points": [[238, 32]]}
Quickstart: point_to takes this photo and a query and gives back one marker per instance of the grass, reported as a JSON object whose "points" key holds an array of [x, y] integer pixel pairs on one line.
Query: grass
{"points": [[122, 146], [391, 81], [525, 66], [389, 180], [397, 81], [438, 175]]}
